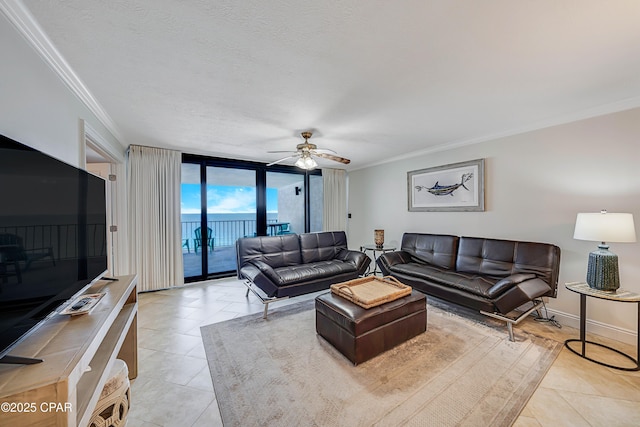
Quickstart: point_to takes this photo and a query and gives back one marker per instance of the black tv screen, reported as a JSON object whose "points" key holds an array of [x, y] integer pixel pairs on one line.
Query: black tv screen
{"points": [[52, 237]]}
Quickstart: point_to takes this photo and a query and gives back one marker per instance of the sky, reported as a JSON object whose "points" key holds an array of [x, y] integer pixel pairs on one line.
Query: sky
{"points": [[225, 199]]}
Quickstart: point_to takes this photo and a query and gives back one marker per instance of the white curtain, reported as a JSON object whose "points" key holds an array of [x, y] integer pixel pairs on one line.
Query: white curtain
{"points": [[155, 249], [334, 213]]}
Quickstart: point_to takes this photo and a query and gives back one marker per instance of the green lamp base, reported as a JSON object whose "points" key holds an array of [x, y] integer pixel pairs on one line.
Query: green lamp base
{"points": [[602, 270]]}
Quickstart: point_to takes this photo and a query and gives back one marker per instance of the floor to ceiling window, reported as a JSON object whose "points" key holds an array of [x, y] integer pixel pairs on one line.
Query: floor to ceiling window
{"points": [[224, 200]]}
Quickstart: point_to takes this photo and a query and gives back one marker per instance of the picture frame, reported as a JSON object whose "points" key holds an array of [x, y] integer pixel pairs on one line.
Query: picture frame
{"points": [[456, 187]]}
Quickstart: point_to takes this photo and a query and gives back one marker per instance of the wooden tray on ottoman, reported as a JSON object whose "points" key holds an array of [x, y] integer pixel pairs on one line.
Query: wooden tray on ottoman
{"points": [[368, 292]]}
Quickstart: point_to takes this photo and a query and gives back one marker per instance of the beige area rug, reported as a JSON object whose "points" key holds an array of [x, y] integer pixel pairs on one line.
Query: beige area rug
{"points": [[461, 372]]}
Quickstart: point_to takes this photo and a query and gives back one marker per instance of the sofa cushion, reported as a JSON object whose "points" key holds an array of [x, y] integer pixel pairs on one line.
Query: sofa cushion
{"points": [[435, 249], [486, 256], [315, 247], [502, 258], [312, 271], [276, 251], [476, 284], [483, 286], [423, 271]]}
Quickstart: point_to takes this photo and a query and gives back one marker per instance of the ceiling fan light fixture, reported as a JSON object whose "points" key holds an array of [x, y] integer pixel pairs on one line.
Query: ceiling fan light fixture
{"points": [[310, 163], [300, 163], [306, 162]]}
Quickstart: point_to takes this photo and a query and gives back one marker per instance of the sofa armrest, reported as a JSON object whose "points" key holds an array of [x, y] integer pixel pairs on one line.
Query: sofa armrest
{"points": [[389, 259], [519, 294], [266, 269], [262, 275], [508, 282], [357, 258]]}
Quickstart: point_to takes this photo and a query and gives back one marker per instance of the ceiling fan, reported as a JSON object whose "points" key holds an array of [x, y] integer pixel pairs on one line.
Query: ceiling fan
{"points": [[305, 153]]}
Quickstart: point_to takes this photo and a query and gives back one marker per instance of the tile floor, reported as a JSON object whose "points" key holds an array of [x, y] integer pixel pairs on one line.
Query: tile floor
{"points": [[174, 387]]}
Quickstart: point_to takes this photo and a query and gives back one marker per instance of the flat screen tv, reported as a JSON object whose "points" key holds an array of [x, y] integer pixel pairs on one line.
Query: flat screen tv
{"points": [[52, 238]]}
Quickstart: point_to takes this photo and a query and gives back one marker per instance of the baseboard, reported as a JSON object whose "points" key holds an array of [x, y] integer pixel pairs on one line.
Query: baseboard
{"points": [[594, 327]]}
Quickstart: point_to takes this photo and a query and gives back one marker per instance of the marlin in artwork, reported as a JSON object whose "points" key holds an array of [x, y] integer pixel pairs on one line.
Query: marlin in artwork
{"points": [[443, 190]]}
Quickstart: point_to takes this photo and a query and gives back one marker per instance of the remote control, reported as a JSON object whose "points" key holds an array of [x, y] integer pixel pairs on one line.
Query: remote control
{"points": [[81, 303]]}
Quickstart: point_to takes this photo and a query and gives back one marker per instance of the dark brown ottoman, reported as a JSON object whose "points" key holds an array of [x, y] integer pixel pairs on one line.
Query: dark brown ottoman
{"points": [[361, 334]]}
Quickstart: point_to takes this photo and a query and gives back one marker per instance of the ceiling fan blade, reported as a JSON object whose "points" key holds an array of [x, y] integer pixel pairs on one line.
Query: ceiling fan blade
{"points": [[283, 159], [324, 150], [283, 151], [334, 158]]}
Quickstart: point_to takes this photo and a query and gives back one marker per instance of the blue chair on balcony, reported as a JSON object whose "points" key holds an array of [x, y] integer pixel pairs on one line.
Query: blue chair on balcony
{"points": [[185, 244], [15, 251], [284, 229], [197, 242]]}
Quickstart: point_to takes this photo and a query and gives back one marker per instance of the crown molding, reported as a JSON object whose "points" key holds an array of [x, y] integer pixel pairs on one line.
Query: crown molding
{"points": [[18, 14], [98, 143]]}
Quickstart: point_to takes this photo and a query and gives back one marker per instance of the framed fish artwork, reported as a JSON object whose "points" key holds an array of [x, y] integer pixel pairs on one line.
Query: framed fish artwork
{"points": [[457, 187]]}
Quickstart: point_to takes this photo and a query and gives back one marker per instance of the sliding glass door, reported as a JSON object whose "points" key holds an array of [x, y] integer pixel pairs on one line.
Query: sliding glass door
{"points": [[191, 218], [223, 200], [231, 213], [216, 211]]}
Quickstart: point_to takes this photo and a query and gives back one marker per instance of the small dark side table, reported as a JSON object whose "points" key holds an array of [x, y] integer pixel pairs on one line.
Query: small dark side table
{"points": [[620, 296], [376, 250]]}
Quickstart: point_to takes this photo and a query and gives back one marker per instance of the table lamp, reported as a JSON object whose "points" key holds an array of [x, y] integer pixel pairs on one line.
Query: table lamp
{"points": [[602, 270]]}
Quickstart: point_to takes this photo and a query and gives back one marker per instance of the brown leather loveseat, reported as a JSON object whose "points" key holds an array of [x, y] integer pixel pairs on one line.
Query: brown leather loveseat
{"points": [[490, 275]]}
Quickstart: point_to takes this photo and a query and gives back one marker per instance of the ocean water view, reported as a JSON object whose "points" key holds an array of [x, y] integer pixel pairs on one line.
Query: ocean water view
{"points": [[190, 217]]}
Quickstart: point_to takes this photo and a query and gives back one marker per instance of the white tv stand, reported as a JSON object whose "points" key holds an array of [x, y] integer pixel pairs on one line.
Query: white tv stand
{"points": [[77, 350]]}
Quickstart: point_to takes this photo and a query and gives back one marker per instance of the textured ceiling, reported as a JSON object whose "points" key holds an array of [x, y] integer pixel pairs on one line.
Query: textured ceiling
{"points": [[375, 79]]}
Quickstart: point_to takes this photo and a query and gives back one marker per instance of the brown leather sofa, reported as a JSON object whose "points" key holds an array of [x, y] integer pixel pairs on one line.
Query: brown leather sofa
{"points": [[490, 275], [296, 264]]}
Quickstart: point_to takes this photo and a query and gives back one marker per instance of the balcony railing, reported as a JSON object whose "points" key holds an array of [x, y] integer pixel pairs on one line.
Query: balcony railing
{"points": [[60, 240], [224, 232]]}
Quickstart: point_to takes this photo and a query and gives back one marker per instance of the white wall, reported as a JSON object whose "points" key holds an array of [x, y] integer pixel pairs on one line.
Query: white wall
{"points": [[291, 206], [535, 184], [36, 107]]}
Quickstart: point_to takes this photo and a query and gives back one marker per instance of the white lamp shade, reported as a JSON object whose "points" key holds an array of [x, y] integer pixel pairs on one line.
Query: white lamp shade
{"points": [[605, 227]]}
